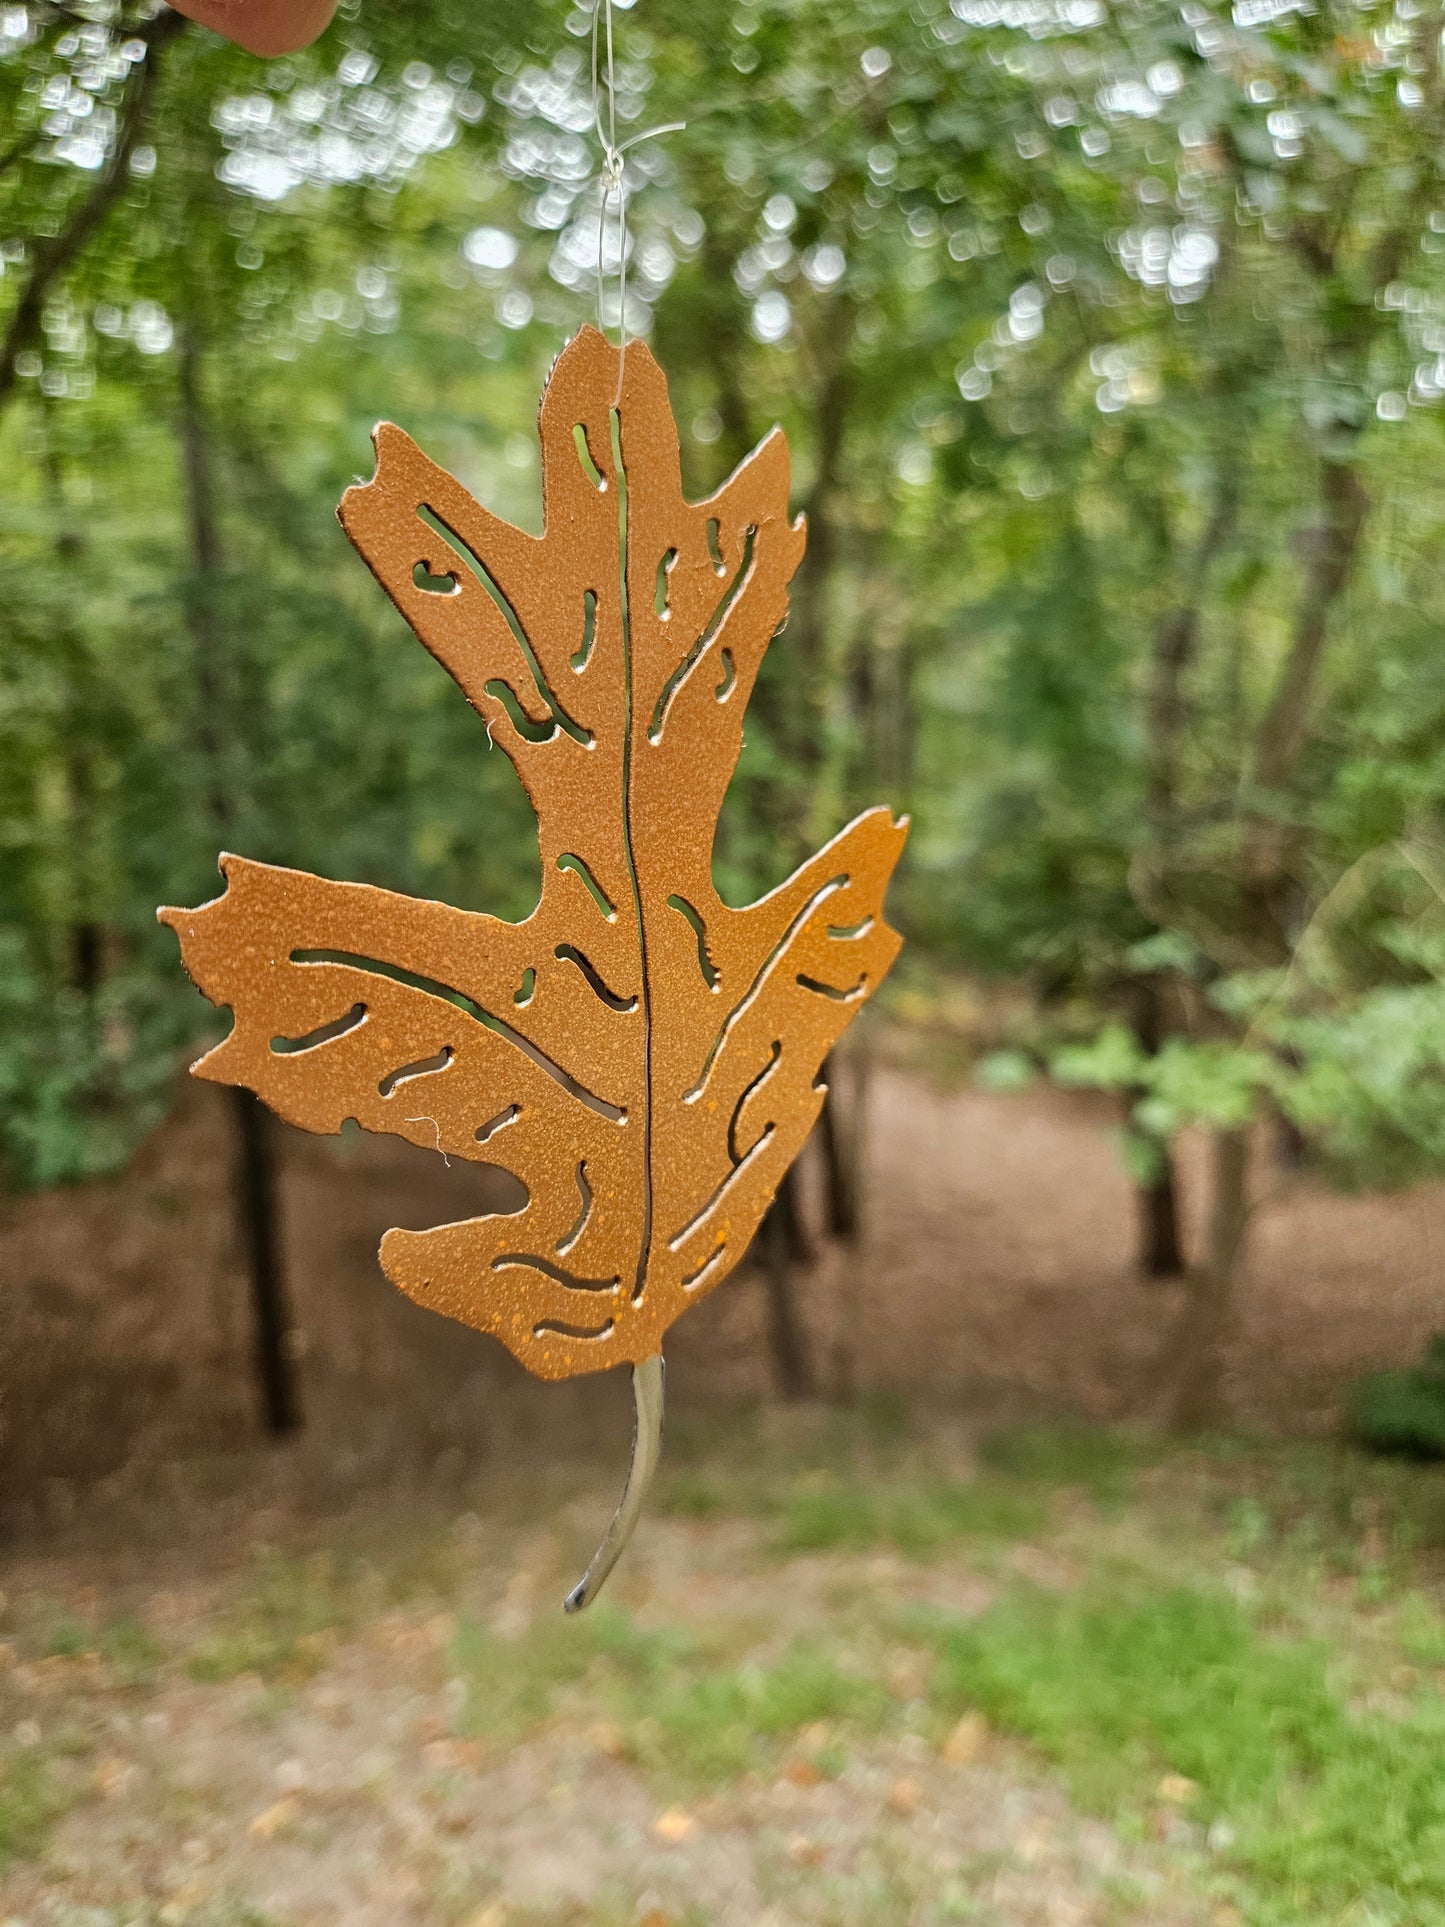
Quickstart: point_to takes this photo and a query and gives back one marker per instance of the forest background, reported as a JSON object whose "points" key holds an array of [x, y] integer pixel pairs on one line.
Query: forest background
{"points": [[1110, 343]]}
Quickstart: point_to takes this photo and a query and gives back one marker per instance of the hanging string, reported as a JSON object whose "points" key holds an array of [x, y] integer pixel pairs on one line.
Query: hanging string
{"points": [[612, 176]]}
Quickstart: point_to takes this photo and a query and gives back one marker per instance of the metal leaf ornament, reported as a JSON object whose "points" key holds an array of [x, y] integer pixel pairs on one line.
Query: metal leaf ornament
{"points": [[645, 1058]]}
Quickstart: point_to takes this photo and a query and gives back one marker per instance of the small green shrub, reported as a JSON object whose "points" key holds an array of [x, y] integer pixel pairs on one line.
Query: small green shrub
{"points": [[1404, 1411]]}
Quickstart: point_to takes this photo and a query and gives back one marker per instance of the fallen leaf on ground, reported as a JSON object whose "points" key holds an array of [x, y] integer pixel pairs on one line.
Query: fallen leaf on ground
{"points": [[966, 1741], [673, 1825], [903, 1797], [801, 1772], [191, 1894], [274, 1819], [451, 1755], [1177, 1790], [113, 1776]]}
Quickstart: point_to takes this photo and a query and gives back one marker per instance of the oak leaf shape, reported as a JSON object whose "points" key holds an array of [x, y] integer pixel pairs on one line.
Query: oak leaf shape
{"points": [[642, 1056]]}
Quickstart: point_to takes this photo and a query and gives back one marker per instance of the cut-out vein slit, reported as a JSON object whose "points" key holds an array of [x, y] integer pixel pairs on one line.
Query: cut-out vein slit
{"points": [[420, 1068], [557, 716], [323, 1033], [818, 896], [680, 1238], [555, 1272], [664, 570], [422, 576], [624, 594], [714, 548], [471, 1008], [845, 932], [729, 674], [569, 953], [719, 616], [704, 962], [497, 1123], [709, 1265], [530, 731], [748, 1089], [554, 1328], [523, 995], [585, 1192], [584, 455], [599, 896], [583, 651], [828, 990]]}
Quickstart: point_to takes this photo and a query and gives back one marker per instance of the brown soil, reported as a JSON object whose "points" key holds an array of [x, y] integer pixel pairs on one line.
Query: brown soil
{"points": [[995, 1280], [344, 1796]]}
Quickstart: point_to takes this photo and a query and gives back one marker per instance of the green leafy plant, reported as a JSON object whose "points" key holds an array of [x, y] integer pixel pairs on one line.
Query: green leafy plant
{"points": [[1404, 1411]]}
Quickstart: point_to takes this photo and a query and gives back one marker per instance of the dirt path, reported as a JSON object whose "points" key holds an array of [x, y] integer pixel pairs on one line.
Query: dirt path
{"points": [[248, 1744], [276, 1748], [995, 1281], [1003, 1232]]}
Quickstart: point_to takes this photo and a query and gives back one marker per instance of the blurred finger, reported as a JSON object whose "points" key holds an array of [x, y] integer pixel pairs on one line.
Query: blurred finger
{"points": [[263, 26]]}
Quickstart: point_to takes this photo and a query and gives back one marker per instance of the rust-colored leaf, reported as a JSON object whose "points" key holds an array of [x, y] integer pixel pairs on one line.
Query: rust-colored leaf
{"points": [[642, 1056]]}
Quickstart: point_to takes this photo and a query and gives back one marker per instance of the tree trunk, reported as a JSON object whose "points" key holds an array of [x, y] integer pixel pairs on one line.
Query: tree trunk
{"points": [[85, 943], [1269, 842], [790, 697], [787, 1339], [839, 1135], [843, 1140], [257, 1199], [811, 589], [1160, 1246], [1174, 649], [1160, 1252], [259, 1218], [1199, 1346]]}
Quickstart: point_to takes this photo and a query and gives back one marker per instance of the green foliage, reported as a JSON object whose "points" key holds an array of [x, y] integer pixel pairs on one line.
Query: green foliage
{"points": [[921, 1521], [1104, 1464], [1404, 1411], [1109, 351], [1110, 1061], [29, 1803], [1004, 1070], [1120, 1684], [1371, 1088]]}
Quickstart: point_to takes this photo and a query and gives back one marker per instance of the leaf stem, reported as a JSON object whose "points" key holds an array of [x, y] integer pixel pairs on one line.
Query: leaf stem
{"points": [[647, 1388]]}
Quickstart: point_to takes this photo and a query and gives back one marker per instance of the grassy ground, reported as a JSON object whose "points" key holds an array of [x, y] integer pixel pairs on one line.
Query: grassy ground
{"points": [[856, 1673]]}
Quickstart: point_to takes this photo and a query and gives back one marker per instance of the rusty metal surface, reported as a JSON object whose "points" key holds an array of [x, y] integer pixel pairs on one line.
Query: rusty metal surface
{"points": [[643, 1057]]}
